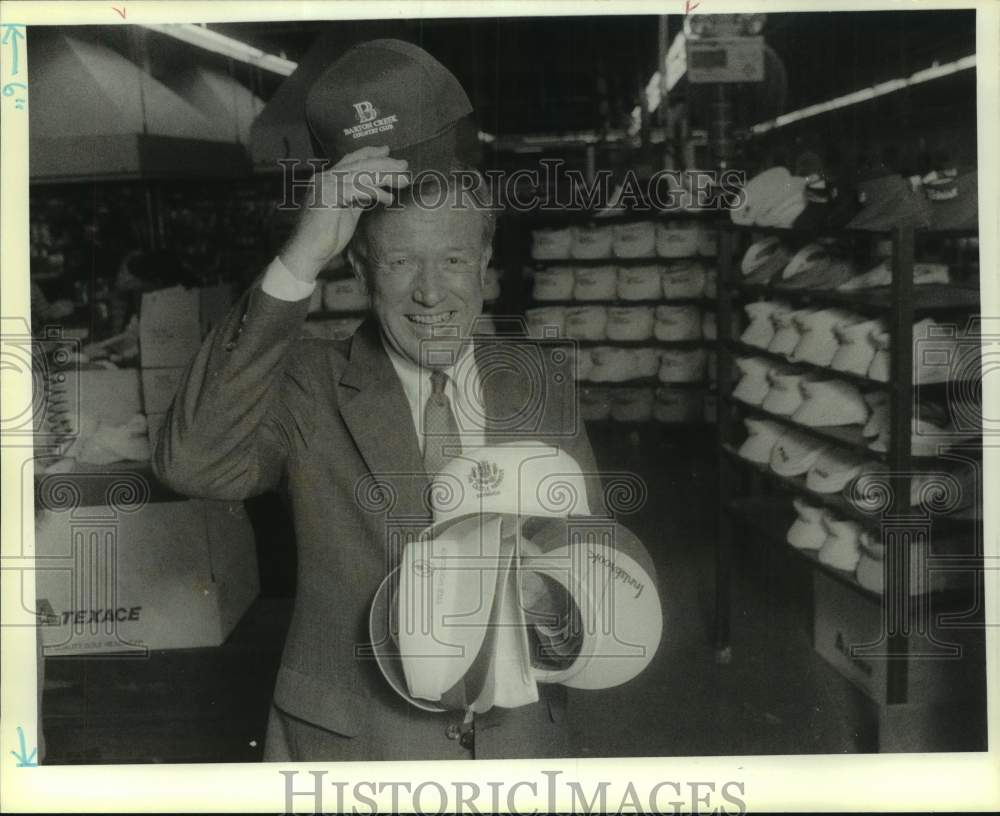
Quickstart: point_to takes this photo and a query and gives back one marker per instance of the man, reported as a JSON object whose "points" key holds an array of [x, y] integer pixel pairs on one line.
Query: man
{"points": [[352, 430]]}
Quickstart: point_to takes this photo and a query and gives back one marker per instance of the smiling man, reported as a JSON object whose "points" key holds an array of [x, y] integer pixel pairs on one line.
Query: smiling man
{"points": [[352, 430]]}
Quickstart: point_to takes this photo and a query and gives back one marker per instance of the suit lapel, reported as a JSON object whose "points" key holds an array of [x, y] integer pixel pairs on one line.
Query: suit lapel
{"points": [[378, 417]]}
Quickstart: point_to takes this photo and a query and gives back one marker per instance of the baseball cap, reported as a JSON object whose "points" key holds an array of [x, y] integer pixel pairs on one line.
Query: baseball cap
{"points": [[887, 202], [683, 279], [786, 330], [763, 260], [784, 394], [677, 323], [760, 328], [639, 283], [842, 547], [596, 283], [761, 437], [390, 92], [954, 200], [827, 403], [833, 470], [630, 322], [794, 453], [855, 347], [807, 531], [636, 239], [754, 384], [817, 339]]}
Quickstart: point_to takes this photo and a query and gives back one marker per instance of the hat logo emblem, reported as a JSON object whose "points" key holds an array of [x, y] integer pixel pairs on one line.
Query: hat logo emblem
{"points": [[486, 477], [365, 111]]}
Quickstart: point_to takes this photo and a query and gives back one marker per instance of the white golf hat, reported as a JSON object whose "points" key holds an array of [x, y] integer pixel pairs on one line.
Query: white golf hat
{"points": [[674, 323], [794, 453], [630, 322], [762, 434], [878, 413], [764, 260], [834, 469], [827, 403], [855, 346], [345, 295], [760, 324], [611, 364], [842, 547], [595, 403], [784, 394], [554, 283], [631, 404], [754, 383], [596, 283], [683, 279], [644, 362], [639, 283], [636, 239], [807, 531], [677, 405], [591, 242], [677, 239], [682, 365], [817, 335], [586, 322], [787, 331], [761, 194], [551, 244], [924, 273], [708, 241], [546, 321]]}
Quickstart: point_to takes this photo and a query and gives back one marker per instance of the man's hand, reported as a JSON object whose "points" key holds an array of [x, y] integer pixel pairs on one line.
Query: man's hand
{"points": [[357, 180]]}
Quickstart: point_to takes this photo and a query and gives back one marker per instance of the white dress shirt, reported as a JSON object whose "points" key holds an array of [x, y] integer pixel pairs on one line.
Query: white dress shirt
{"points": [[466, 399]]}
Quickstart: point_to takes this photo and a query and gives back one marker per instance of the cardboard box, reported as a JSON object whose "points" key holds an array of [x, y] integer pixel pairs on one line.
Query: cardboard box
{"points": [[844, 619], [158, 388], [109, 396], [169, 327], [169, 575]]}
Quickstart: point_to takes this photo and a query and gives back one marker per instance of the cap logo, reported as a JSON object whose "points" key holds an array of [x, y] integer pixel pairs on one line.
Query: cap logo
{"points": [[365, 111], [485, 478]]}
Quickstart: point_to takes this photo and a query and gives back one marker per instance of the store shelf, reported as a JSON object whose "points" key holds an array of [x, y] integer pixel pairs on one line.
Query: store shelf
{"points": [[879, 300], [647, 382], [842, 506], [842, 232], [648, 260], [568, 216], [746, 350], [847, 436], [650, 343], [705, 303]]}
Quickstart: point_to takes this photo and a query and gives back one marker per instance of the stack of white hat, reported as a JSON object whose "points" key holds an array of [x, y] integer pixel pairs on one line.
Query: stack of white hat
{"points": [[924, 274], [836, 541], [553, 283], [940, 353], [586, 322], [754, 382], [639, 283], [818, 341], [856, 346], [787, 331], [630, 323], [636, 239], [631, 404], [676, 323], [760, 326], [595, 283], [764, 260], [682, 365], [677, 405], [546, 321], [644, 362], [551, 244], [677, 239], [591, 242], [612, 364], [773, 198], [683, 279]]}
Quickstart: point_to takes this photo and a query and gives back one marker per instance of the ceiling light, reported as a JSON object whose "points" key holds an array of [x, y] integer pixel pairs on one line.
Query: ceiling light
{"points": [[202, 37]]}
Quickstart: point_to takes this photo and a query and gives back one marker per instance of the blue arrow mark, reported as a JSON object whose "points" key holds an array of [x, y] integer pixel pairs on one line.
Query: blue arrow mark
{"points": [[11, 32], [24, 759]]}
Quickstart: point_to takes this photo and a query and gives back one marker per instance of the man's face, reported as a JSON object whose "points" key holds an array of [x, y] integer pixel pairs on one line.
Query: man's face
{"points": [[425, 276]]}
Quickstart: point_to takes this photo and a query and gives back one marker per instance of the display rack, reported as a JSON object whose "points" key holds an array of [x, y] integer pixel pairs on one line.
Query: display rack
{"points": [[519, 264], [754, 497]]}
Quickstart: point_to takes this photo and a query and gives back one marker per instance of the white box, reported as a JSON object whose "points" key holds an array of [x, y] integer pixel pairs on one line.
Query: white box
{"points": [[169, 575]]}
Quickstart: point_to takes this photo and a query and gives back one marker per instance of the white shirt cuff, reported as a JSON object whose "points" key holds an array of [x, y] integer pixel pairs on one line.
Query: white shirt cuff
{"points": [[279, 283]]}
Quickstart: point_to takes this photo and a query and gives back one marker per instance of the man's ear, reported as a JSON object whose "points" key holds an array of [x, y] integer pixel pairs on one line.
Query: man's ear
{"points": [[358, 268], [484, 263]]}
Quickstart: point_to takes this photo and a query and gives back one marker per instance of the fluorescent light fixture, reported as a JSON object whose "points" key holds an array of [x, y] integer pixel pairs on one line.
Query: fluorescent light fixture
{"points": [[883, 88], [202, 37]]}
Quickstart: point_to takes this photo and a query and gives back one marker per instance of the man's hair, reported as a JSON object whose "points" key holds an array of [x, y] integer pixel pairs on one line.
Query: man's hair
{"points": [[461, 187]]}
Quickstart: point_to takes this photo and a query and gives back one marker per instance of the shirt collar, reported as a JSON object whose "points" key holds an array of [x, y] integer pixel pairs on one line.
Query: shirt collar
{"points": [[412, 375]]}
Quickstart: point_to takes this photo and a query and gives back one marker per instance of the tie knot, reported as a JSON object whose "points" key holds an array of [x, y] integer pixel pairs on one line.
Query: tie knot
{"points": [[438, 381]]}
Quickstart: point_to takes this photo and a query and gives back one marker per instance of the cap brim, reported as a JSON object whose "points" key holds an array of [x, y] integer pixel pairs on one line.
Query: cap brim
{"points": [[457, 145]]}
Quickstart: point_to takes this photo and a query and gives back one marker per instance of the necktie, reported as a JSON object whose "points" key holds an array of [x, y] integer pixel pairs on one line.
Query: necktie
{"points": [[441, 437]]}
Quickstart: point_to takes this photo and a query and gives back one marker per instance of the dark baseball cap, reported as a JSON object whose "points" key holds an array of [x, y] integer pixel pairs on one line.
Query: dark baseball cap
{"points": [[391, 92]]}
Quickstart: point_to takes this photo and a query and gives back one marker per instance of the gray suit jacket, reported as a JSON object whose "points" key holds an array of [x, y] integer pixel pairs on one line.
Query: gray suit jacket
{"points": [[261, 407]]}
